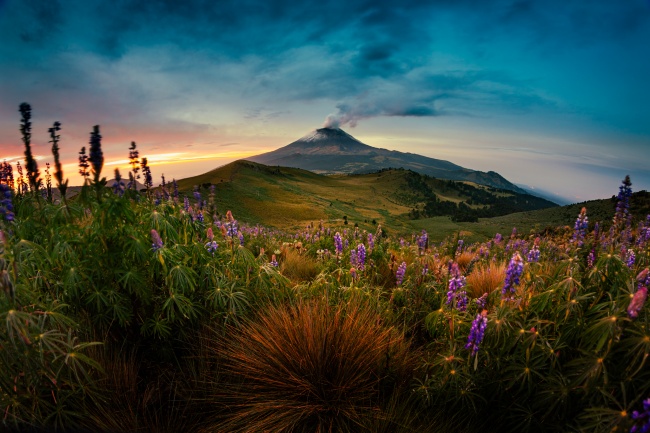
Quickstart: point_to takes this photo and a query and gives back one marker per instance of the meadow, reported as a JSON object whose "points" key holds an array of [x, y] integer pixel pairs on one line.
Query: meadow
{"points": [[159, 311]]}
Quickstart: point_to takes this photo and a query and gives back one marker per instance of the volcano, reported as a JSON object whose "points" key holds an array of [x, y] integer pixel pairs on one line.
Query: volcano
{"points": [[334, 151]]}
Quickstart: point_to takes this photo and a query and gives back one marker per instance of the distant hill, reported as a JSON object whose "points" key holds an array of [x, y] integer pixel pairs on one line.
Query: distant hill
{"points": [[287, 198], [333, 151]]}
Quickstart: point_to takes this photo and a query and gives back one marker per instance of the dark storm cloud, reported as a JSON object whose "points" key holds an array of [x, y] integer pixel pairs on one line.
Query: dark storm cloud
{"points": [[373, 58]]}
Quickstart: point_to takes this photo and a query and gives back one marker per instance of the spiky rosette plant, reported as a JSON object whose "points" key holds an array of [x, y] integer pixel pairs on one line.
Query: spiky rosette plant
{"points": [[309, 368]]}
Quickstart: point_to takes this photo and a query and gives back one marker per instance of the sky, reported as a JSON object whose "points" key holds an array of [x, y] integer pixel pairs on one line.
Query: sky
{"points": [[550, 94]]}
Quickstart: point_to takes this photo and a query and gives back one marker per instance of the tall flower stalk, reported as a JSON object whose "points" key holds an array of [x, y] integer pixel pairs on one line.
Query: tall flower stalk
{"points": [[96, 155], [30, 163], [58, 169]]}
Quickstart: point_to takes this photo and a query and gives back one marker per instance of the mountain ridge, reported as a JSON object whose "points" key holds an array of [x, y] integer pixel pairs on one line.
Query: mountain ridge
{"points": [[334, 151]]}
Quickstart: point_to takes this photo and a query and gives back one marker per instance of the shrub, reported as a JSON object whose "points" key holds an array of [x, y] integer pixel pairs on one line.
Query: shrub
{"points": [[311, 368]]}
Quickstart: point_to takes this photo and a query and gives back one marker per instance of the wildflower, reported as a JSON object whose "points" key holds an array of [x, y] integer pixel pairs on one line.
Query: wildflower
{"points": [[622, 215], [186, 204], [211, 247], [353, 258], [83, 163], [361, 256], [274, 261], [513, 273], [498, 238], [146, 171], [425, 269], [533, 254], [371, 241], [400, 273], [482, 301], [118, 185], [240, 235], [175, 185], [423, 240], [591, 258], [353, 273], [638, 300], [6, 206], [96, 156], [477, 332], [157, 243], [580, 227], [338, 243], [456, 293], [210, 234], [630, 258], [642, 418]]}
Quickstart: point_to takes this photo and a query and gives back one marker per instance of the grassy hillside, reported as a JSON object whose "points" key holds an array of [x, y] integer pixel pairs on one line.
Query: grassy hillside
{"points": [[400, 200]]}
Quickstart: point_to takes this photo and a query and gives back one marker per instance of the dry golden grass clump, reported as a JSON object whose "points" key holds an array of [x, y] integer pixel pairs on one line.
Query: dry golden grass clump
{"points": [[297, 266], [486, 279], [464, 259], [311, 368]]}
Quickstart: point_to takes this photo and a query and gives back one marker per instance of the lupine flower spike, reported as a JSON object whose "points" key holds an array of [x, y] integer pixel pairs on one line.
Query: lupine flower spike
{"points": [[642, 418], [580, 227], [456, 292], [400, 273], [477, 332], [156, 242], [513, 274]]}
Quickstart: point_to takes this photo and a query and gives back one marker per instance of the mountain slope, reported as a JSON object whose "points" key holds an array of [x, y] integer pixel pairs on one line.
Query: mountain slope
{"points": [[333, 151], [289, 198]]}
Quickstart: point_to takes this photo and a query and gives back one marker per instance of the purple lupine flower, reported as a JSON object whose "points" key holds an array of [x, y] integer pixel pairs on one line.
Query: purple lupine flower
{"points": [[580, 227], [513, 273], [353, 273], [630, 258], [361, 256], [461, 243], [175, 189], [642, 419], [637, 302], [371, 241], [456, 292], [477, 332], [6, 206], [353, 257], [186, 204], [400, 273], [211, 246], [622, 215], [482, 301], [425, 269], [156, 242], [200, 216], [401, 242], [274, 261], [423, 240], [591, 258], [346, 244], [498, 238], [533, 254], [241, 238]]}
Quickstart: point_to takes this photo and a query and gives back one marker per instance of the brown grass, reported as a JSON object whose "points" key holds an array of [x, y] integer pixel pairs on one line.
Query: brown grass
{"points": [[486, 279], [135, 399], [464, 259], [311, 368], [297, 266]]}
